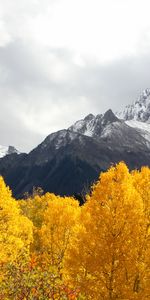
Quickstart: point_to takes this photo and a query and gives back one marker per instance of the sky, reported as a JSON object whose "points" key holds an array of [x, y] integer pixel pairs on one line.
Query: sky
{"points": [[63, 59]]}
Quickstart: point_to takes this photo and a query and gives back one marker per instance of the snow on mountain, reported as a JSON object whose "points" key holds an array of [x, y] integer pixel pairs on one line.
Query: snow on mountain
{"points": [[59, 139], [138, 110], [93, 126], [69, 159], [6, 150], [85, 126], [3, 151], [143, 128], [114, 131], [137, 115]]}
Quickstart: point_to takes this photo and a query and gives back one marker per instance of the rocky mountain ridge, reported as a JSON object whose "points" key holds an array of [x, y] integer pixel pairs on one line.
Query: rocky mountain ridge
{"points": [[7, 150], [139, 110], [69, 160]]}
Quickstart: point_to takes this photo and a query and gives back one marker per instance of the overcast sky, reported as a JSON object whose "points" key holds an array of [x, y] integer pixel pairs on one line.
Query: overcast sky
{"points": [[63, 59]]}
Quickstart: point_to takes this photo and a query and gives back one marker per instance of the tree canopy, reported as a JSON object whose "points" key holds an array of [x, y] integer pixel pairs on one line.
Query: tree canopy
{"points": [[52, 248]]}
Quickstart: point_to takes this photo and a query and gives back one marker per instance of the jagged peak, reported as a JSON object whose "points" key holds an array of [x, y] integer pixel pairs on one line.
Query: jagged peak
{"points": [[12, 149], [89, 117], [93, 125], [144, 95], [6, 150], [139, 110], [109, 116]]}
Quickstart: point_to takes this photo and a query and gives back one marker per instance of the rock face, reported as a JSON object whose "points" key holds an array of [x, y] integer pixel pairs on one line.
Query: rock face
{"points": [[137, 115], [94, 125], [139, 110], [108, 128], [4, 150], [68, 161]]}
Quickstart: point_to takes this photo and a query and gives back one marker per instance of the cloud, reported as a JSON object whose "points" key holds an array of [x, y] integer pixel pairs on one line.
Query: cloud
{"points": [[61, 60]]}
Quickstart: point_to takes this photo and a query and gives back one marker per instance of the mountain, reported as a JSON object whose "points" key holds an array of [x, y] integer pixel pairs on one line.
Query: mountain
{"points": [[6, 150], [69, 160], [137, 115], [94, 125], [139, 110], [109, 128]]}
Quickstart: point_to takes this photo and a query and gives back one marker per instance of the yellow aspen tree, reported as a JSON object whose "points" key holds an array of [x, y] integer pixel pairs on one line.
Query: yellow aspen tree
{"points": [[60, 217], [54, 218], [15, 238], [141, 180], [103, 257], [33, 208], [15, 229], [35, 276]]}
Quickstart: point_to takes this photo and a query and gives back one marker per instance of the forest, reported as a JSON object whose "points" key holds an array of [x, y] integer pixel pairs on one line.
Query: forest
{"points": [[53, 248]]}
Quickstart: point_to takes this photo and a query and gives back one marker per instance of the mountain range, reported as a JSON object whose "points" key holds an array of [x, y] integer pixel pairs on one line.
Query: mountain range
{"points": [[69, 160]]}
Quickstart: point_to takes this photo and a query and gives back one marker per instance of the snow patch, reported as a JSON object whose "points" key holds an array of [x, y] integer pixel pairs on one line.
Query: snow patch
{"points": [[138, 124], [139, 110], [3, 151], [108, 130], [144, 128]]}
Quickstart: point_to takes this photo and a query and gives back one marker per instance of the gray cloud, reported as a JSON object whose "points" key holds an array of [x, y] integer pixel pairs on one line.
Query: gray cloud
{"points": [[44, 89], [35, 103]]}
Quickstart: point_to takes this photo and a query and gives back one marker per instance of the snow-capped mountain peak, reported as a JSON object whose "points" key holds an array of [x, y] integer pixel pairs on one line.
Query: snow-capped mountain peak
{"points": [[137, 115], [6, 150], [94, 125], [109, 117], [139, 110]]}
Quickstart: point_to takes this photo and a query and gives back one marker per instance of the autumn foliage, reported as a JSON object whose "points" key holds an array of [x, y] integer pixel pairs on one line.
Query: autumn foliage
{"points": [[51, 248]]}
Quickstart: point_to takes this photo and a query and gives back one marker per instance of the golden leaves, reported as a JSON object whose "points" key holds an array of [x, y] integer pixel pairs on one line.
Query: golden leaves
{"points": [[105, 255], [50, 248]]}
